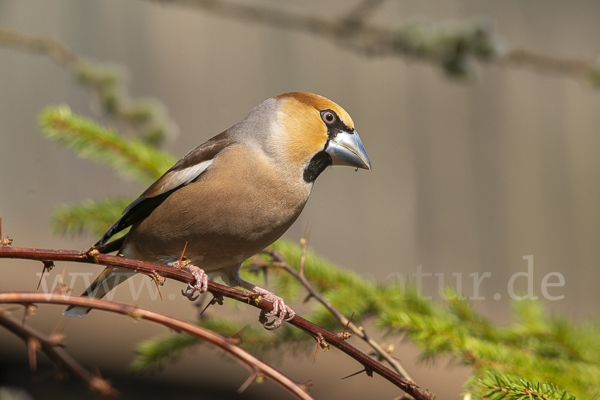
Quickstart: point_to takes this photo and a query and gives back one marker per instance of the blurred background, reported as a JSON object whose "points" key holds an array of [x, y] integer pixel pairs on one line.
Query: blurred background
{"points": [[469, 176]]}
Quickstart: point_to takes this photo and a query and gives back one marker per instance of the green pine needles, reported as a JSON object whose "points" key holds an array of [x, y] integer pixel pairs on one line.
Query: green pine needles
{"points": [[133, 158], [504, 387]]}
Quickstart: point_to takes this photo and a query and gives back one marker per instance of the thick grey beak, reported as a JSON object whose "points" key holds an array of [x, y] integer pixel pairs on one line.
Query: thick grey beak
{"points": [[347, 149]]}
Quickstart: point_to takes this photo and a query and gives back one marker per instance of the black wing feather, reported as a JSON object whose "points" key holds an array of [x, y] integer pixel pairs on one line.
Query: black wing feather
{"points": [[136, 211], [144, 205]]}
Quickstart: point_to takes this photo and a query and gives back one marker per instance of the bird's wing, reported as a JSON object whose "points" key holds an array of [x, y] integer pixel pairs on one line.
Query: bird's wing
{"points": [[184, 172]]}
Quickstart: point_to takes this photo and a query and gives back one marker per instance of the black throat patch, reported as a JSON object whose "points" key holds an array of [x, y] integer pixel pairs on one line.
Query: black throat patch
{"points": [[317, 164]]}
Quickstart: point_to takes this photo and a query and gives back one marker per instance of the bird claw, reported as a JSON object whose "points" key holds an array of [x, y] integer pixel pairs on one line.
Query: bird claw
{"points": [[279, 311], [191, 296], [200, 281]]}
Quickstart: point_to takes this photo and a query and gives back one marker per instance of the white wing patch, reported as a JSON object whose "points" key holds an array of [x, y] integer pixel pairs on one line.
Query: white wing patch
{"points": [[184, 176]]}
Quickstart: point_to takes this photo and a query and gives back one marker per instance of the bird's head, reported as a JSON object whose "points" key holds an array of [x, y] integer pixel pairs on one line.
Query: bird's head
{"points": [[307, 131]]}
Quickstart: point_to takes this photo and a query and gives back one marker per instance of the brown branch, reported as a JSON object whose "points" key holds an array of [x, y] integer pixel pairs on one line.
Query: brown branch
{"points": [[551, 64], [364, 37], [315, 331], [352, 32], [256, 366], [280, 262], [61, 358], [39, 44], [108, 85]]}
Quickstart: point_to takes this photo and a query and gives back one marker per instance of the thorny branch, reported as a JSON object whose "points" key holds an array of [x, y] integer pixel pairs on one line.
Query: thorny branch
{"points": [[257, 367], [280, 262], [52, 348], [370, 365]]}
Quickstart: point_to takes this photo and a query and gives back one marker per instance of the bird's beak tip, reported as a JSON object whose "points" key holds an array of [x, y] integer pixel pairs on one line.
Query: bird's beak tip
{"points": [[347, 149]]}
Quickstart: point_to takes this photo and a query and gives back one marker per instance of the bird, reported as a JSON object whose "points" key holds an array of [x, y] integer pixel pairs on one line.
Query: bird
{"points": [[234, 195]]}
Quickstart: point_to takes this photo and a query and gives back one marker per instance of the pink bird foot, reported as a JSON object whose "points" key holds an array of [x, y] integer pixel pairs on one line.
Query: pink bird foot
{"points": [[201, 280], [280, 310]]}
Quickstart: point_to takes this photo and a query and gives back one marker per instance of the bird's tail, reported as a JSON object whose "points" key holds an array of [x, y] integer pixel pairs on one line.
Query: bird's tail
{"points": [[104, 283]]}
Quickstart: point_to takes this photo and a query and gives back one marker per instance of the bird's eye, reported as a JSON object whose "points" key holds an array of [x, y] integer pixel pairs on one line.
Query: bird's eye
{"points": [[328, 117]]}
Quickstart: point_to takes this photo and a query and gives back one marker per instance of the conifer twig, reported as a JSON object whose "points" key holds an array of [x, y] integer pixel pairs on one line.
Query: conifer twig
{"points": [[133, 157]]}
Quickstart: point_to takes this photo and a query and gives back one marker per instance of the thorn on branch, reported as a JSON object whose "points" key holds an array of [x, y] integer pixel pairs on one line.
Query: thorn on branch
{"points": [[182, 253], [217, 299], [321, 343], [364, 332], [93, 253], [307, 298], [4, 241], [346, 335], [48, 266], [254, 377], [316, 352], [62, 288], [158, 281], [29, 310], [237, 337], [388, 349], [32, 346], [365, 370], [304, 244], [57, 338], [102, 386], [307, 386]]}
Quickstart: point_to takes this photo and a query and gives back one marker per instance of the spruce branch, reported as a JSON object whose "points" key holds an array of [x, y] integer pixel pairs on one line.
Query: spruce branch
{"points": [[152, 353], [504, 387], [131, 157], [320, 334], [74, 219], [535, 347], [255, 365], [538, 353]]}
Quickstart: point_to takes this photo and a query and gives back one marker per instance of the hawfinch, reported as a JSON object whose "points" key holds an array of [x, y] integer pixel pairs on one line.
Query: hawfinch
{"points": [[234, 195]]}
